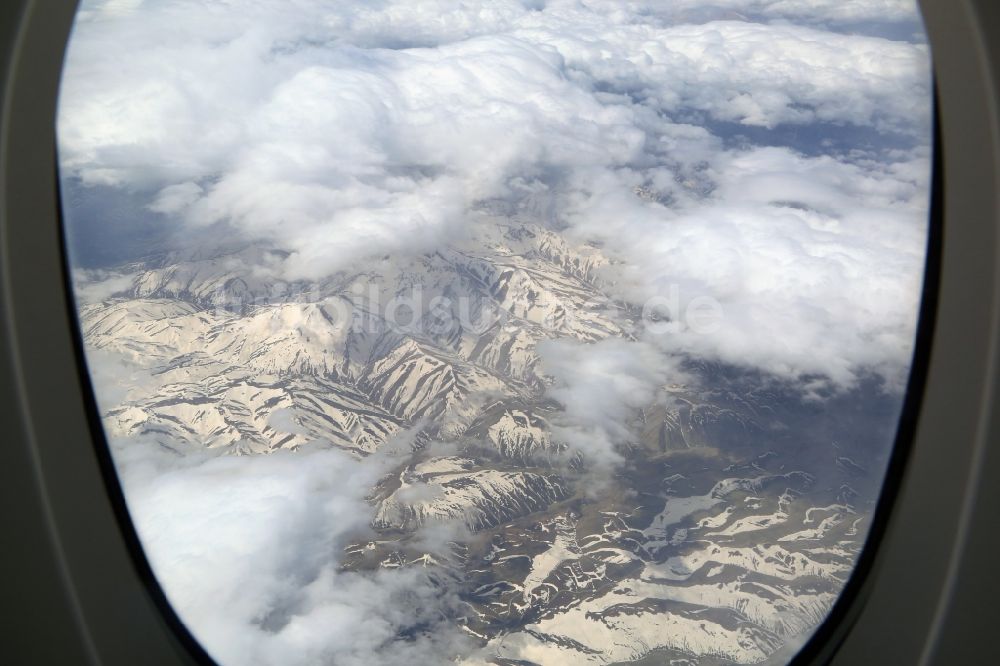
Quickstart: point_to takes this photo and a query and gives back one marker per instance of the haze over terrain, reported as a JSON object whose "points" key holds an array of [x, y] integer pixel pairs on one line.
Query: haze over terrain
{"points": [[513, 332]]}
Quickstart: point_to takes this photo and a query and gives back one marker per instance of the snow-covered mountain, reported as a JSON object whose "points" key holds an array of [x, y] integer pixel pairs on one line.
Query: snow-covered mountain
{"points": [[726, 532]]}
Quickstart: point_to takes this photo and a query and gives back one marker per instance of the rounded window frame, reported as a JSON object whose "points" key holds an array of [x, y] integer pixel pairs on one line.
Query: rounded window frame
{"points": [[81, 553]]}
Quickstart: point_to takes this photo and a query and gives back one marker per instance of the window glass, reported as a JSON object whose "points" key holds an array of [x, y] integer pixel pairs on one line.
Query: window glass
{"points": [[512, 332]]}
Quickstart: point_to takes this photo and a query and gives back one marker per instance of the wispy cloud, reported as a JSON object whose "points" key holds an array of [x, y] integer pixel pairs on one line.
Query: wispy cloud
{"points": [[248, 551], [600, 385]]}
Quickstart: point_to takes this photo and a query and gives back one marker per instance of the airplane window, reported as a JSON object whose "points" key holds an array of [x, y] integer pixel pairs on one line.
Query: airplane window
{"points": [[512, 332]]}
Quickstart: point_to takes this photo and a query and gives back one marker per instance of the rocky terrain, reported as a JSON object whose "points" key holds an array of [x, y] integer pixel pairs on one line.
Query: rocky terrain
{"points": [[725, 531]]}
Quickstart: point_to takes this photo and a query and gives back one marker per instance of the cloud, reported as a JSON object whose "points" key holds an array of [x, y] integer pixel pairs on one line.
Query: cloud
{"points": [[175, 198], [829, 13], [92, 286], [600, 385], [340, 132], [751, 73], [314, 125], [815, 263], [247, 550]]}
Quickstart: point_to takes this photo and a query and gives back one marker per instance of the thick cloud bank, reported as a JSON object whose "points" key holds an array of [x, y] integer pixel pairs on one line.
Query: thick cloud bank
{"points": [[341, 131]]}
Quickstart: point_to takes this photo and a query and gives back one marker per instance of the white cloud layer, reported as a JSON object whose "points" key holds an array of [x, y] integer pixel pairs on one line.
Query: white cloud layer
{"points": [[247, 550], [816, 263], [813, 11], [341, 130]]}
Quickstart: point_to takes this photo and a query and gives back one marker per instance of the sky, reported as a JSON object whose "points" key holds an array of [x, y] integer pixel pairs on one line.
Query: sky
{"points": [[771, 157]]}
